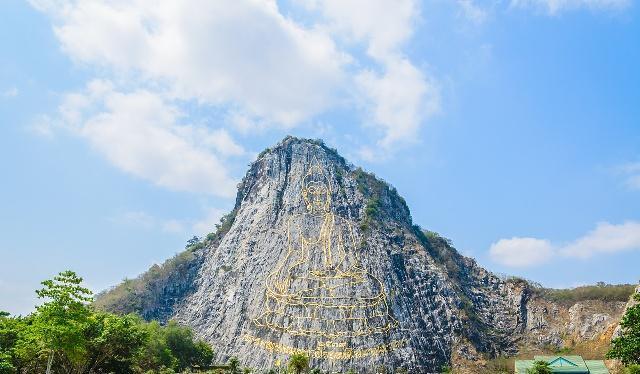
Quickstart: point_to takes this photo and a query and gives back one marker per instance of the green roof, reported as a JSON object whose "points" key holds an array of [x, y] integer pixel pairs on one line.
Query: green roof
{"points": [[564, 364], [597, 367]]}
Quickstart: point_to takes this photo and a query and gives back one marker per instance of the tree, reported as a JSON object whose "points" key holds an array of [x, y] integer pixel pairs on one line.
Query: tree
{"points": [[234, 365], [66, 335], [155, 354], [193, 241], [185, 349], [59, 323], [298, 363], [114, 342], [626, 347], [9, 335], [539, 367]]}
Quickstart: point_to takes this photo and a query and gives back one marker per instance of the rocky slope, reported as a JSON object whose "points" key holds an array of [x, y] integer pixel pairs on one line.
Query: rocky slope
{"points": [[632, 301], [321, 257]]}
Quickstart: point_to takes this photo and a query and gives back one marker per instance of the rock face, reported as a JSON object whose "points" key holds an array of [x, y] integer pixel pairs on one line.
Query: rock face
{"points": [[632, 301], [321, 257], [554, 326]]}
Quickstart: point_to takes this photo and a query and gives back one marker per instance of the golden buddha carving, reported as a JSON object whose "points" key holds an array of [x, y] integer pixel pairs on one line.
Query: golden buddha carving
{"points": [[319, 288]]}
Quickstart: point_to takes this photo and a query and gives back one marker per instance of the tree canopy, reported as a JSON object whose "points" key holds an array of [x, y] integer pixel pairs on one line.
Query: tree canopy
{"points": [[626, 347], [66, 334]]}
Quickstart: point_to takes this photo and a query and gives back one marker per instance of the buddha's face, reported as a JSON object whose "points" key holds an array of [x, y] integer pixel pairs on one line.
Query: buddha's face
{"points": [[316, 197]]}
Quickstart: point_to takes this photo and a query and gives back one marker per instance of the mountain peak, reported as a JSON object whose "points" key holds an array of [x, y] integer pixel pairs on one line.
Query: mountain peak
{"points": [[321, 257]]}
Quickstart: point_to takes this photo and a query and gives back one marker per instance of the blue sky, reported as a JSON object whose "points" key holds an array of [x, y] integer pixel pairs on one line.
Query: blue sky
{"points": [[511, 127]]}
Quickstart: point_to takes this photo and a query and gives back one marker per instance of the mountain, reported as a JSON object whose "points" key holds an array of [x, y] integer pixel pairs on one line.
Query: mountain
{"points": [[321, 257]]}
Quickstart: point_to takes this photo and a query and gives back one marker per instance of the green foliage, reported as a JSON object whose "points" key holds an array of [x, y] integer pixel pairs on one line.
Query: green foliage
{"points": [[298, 363], [173, 347], [500, 365], [187, 351], [140, 295], [539, 367], [626, 348], [192, 242], [9, 336], [234, 365], [225, 224], [113, 342], [59, 323], [602, 291], [372, 210], [78, 339], [381, 197], [632, 369], [134, 295], [6, 364]]}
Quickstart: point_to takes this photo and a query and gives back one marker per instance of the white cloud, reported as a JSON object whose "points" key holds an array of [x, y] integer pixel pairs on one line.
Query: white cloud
{"points": [[554, 7], [634, 182], [382, 24], [42, 126], [255, 66], [606, 238], [11, 92], [141, 134], [400, 97], [241, 53], [400, 100], [521, 252], [631, 173], [471, 11]]}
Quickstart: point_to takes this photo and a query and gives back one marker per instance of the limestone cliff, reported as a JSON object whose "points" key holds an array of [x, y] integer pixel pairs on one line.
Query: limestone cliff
{"points": [[321, 257]]}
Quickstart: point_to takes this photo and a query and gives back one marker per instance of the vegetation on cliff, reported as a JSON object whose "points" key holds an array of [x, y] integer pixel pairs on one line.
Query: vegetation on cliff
{"points": [[152, 294], [600, 291], [626, 347]]}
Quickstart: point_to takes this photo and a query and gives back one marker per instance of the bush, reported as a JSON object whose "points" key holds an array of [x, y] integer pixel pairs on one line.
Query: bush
{"points": [[298, 363], [539, 367], [603, 292]]}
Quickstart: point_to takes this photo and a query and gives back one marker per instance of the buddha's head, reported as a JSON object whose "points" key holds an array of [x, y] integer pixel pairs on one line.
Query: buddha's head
{"points": [[315, 190]]}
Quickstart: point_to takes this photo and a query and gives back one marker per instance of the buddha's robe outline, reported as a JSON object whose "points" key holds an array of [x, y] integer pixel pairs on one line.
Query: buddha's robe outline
{"points": [[320, 287]]}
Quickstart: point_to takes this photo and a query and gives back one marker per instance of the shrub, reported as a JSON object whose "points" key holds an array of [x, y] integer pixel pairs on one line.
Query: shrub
{"points": [[298, 363], [540, 367], [603, 292]]}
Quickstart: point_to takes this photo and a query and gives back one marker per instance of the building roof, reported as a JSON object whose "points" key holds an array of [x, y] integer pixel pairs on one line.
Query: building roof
{"points": [[597, 367], [564, 364]]}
